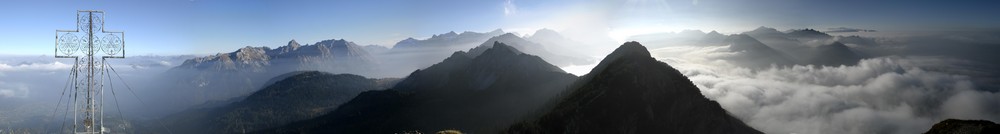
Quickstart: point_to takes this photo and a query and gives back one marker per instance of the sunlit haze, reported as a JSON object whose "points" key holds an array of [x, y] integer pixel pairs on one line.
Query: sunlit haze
{"points": [[499, 66]]}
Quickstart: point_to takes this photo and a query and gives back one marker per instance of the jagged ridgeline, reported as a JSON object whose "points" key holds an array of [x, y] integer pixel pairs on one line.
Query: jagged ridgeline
{"points": [[476, 93], [503, 90], [630, 92], [764, 47], [229, 76]]}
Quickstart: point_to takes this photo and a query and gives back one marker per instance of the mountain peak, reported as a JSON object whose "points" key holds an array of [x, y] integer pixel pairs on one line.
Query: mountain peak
{"points": [[509, 35], [765, 31], [501, 48], [631, 48], [293, 44], [692, 32], [627, 88], [497, 31], [763, 28], [408, 41], [713, 32], [808, 33], [743, 42], [545, 31], [449, 34], [251, 48]]}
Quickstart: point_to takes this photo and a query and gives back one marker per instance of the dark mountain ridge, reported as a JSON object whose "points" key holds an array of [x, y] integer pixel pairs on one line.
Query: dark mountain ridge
{"points": [[956, 126], [450, 39], [755, 54], [532, 48], [412, 54], [227, 75], [477, 94], [630, 92]]}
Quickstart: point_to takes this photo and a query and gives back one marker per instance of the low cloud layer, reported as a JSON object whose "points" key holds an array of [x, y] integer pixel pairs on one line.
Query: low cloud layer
{"points": [[12, 90], [846, 30], [50, 66], [31, 86], [879, 95]]}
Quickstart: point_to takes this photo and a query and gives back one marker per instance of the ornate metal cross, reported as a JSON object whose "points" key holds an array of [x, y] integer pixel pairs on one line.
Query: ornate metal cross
{"points": [[90, 39]]}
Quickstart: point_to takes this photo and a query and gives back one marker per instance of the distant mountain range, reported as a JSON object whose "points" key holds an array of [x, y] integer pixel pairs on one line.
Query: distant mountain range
{"points": [[568, 51], [755, 54], [228, 75], [474, 93], [498, 86], [345, 56], [793, 47], [630, 92], [224, 77], [412, 54], [544, 51], [686, 37], [808, 46], [450, 40]]}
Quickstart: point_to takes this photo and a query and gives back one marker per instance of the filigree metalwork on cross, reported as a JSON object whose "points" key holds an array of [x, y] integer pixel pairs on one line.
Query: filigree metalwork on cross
{"points": [[92, 41], [90, 37]]}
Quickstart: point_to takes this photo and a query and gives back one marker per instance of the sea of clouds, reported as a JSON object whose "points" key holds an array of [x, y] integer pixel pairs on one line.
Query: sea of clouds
{"points": [[890, 94]]}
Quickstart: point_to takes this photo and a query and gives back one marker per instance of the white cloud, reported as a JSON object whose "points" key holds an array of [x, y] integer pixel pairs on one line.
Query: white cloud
{"points": [[509, 8], [879, 95], [13, 90], [847, 30], [52, 66]]}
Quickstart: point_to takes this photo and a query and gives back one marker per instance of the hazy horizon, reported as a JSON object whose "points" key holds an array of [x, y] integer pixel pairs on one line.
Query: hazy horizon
{"points": [[207, 27], [778, 66]]}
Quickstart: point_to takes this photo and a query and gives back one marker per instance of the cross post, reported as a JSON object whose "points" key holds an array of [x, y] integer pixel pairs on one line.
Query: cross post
{"points": [[90, 39]]}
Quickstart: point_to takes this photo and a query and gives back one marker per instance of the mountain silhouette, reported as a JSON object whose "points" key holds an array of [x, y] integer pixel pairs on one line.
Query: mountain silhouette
{"points": [[556, 43], [753, 53], [630, 92], [476, 94], [834, 54], [297, 57], [412, 54], [764, 31], [713, 38], [808, 34], [227, 75], [956, 126], [298, 96], [449, 40], [531, 48], [683, 38], [808, 46]]}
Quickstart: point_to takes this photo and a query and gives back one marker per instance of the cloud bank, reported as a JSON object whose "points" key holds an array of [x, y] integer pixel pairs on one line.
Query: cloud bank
{"points": [[879, 95], [12, 90], [51, 66], [847, 30]]}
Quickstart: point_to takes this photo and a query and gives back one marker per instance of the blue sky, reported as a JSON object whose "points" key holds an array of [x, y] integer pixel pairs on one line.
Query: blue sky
{"points": [[211, 26]]}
